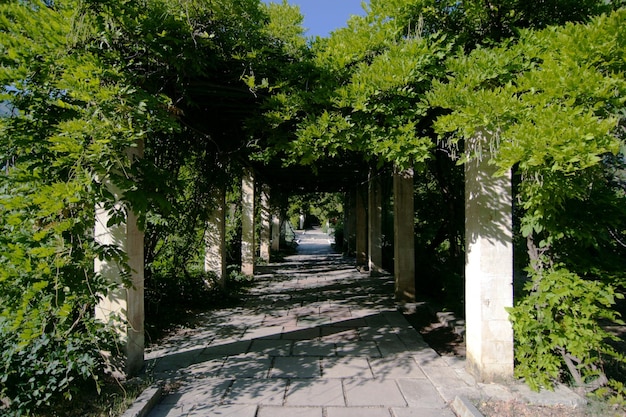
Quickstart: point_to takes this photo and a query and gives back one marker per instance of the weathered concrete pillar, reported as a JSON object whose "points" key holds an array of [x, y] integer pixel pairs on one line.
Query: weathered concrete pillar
{"points": [[361, 226], [248, 243], [215, 238], [266, 216], [404, 240], [348, 220], [488, 271], [276, 231], [375, 219], [351, 224], [123, 306]]}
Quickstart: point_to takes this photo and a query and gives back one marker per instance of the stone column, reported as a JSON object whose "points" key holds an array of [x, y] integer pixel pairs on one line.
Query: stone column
{"points": [[123, 306], [349, 234], [375, 218], [285, 227], [488, 270], [266, 216], [247, 223], [215, 239], [361, 227], [404, 240], [276, 231]]}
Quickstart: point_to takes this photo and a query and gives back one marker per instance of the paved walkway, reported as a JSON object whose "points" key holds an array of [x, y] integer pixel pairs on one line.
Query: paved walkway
{"points": [[315, 338]]}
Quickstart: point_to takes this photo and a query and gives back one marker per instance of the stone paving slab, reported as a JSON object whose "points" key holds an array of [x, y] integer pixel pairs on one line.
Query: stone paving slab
{"points": [[429, 358], [339, 334], [358, 412], [314, 338], [421, 412], [296, 367], [279, 322], [392, 348], [204, 369], [358, 348], [420, 393], [290, 412], [220, 348], [245, 366], [271, 347], [316, 347], [442, 376], [396, 367], [372, 392], [195, 393], [325, 392], [169, 410], [300, 333], [254, 391], [346, 367], [269, 332], [228, 410]]}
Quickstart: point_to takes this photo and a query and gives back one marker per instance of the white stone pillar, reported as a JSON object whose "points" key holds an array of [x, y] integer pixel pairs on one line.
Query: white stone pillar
{"points": [[375, 219], [123, 306], [488, 270], [276, 231], [349, 234], [266, 216], [215, 239], [248, 243], [404, 240], [361, 226]]}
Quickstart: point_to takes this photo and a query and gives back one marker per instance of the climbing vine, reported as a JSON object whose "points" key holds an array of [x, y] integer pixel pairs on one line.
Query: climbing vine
{"points": [[555, 102], [208, 86], [70, 118], [414, 79], [81, 84]]}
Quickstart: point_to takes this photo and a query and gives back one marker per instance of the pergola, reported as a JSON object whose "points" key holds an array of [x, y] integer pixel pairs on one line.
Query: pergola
{"points": [[488, 232]]}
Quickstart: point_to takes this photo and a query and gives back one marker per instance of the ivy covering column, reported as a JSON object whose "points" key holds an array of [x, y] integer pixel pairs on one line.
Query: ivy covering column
{"points": [[123, 306]]}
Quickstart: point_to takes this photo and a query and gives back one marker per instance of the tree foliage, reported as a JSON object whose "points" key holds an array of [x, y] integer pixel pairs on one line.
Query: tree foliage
{"points": [[72, 119], [82, 83], [364, 87], [558, 331], [554, 102], [413, 80], [205, 86]]}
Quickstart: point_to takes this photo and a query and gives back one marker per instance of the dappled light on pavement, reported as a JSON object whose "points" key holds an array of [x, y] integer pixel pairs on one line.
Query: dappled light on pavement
{"points": [[314, 337]]}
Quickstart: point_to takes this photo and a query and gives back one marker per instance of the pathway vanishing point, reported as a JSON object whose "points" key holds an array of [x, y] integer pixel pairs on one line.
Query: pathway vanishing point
{"points": [[314, 338]]}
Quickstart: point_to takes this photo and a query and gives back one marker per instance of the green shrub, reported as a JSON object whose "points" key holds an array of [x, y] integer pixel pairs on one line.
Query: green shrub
{"points": [[50, 368], [557, 330]]}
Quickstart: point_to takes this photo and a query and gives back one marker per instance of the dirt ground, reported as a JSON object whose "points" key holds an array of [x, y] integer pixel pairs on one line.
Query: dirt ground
{"points": [[447, 343]]}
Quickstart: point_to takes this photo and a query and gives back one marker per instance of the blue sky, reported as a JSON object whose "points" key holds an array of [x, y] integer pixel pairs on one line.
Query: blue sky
{"points": [[323, 16]]}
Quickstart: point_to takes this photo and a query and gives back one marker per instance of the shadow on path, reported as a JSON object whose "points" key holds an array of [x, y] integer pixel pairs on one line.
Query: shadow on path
{"points": [[314, 338]]}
